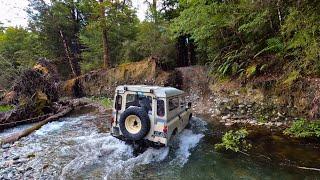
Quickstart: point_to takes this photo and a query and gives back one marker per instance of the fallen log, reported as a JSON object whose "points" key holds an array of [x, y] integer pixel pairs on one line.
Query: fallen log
{"points": [[308, 168], [25, 121], [26, 132]]}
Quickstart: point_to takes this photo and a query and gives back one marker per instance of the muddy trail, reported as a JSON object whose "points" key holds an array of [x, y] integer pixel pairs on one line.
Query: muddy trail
{"points": [[76, 148]]}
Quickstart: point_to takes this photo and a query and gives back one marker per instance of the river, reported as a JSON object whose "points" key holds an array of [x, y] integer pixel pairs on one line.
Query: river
{"points": [[74, 148]]}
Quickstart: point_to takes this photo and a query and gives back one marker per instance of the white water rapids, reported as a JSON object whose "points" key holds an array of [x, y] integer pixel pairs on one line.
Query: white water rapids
{"points": [[73, 148]]}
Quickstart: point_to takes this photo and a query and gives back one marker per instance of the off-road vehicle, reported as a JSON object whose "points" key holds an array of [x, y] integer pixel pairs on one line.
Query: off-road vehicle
{"points": [[149, 114]]}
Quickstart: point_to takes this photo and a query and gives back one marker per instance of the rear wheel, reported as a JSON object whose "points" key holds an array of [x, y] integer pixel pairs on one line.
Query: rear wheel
{"points": [[134, 123]]}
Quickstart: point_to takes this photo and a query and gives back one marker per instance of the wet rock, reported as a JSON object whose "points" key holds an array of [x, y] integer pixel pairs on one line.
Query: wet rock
{"points": [[31, 155], [236, 93], [278, 124], [253, 121], [226, 117], [29, 168], [216, 112], [21, 170], [229, 123], [20, 161], [241, 106], [280, 115], [5, 146]]}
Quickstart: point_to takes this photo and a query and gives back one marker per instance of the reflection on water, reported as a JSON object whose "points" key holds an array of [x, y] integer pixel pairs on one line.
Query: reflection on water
{"points": [[73, 148]]}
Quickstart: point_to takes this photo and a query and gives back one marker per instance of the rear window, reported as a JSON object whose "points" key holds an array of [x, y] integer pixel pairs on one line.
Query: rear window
{"points": [[139, 101], [160, 108], [173, 103]]}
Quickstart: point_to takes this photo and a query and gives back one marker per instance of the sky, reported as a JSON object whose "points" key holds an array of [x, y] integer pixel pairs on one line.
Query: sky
{"points": [[12, 12]]}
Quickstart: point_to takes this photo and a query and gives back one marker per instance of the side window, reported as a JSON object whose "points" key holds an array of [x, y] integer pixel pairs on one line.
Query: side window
{"points": [[173, 103], [118, 102], [160, 108], [182, 102]]}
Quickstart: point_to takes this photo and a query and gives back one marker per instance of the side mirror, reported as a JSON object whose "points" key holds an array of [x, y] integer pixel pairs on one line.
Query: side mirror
{"points": [[189, 105]]}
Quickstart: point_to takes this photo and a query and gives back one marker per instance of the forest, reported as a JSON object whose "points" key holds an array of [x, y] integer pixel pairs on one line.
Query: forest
{"points": [[195, 89], [235, 38]]}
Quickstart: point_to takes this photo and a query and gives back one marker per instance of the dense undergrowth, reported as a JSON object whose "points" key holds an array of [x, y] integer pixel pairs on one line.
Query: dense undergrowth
{"points": [[234, 141], [303, 129], [249, 38], [104, 101], [6, 108]]}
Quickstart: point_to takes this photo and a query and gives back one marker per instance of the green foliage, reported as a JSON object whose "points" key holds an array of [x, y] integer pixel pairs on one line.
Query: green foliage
{"points": [[301, 30], [251, 70], [121, 25], [291, 78], [152, 40], [6, 108], [104, 101], [303, 128], [19, 49], [273, 45], [234, 36], [262, 119], [234, 141]]}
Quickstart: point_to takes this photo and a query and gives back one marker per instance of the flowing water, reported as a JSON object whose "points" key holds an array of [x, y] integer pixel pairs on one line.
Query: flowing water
{"points": [[74, 148]]}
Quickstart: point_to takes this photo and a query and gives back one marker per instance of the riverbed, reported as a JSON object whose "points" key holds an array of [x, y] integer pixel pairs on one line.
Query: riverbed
{"points": [[75, 148]]}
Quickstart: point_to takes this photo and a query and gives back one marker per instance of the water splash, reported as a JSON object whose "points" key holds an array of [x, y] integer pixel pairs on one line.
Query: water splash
{"points": [[70, 149], [187, 141]]}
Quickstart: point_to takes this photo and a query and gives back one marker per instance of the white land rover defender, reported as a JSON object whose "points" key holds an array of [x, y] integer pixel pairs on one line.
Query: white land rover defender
{"points": [[150, 114]]}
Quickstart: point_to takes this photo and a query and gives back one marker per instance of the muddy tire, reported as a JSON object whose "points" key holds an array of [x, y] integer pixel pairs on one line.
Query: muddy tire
{"points": [[134, 123]]}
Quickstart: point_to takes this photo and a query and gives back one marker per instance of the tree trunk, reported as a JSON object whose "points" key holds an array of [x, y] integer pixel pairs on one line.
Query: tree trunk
{"points": [[35, 127], [106, 55], [74, 64], [154, 10]]}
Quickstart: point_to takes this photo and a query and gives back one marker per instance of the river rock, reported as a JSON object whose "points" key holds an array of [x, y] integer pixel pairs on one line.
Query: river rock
{"points": [[5, 146], [226, 117], [216, 112], [229, 123], [16, 157], [31, 155], [253, 121], [241, 106]]}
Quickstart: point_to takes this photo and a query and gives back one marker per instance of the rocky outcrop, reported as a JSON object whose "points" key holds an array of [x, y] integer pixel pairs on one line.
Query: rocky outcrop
{"points": [[103, 82]]}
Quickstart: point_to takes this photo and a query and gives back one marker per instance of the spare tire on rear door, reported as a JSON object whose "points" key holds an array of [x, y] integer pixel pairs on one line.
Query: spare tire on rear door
{"points": [[134, 123]]}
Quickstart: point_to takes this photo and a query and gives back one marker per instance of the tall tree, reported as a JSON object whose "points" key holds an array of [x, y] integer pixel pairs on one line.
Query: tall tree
{"points": [[106, 56], [58, 24], [109, 25]]}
